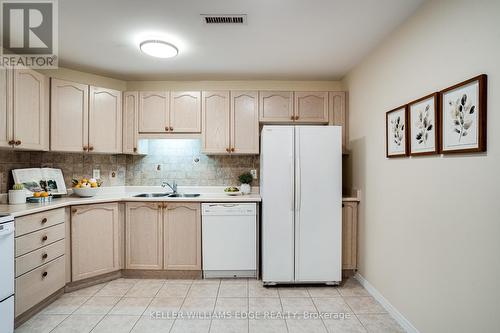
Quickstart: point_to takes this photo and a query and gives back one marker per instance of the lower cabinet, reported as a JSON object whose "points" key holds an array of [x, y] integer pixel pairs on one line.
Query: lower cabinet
{"points": [[95, 245], [143, 235], [163, 236], [182, 236], [350, 235]]}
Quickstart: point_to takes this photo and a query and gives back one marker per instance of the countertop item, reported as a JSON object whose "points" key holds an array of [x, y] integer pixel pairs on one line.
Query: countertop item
{"points": [[126, 193]]}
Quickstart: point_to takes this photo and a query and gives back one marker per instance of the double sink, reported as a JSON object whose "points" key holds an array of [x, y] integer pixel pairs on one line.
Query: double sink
{"points": [[167, 195]]}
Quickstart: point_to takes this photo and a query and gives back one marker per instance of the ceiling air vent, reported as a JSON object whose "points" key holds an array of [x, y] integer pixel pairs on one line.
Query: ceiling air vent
{"points": [[224, 18]]}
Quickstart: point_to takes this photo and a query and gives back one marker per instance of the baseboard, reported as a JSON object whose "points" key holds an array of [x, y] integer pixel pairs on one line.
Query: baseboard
{"points": [[405, 323]]}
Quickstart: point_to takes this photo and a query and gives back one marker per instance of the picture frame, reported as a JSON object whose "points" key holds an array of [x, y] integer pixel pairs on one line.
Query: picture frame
{"points": [[463, 113], [396, 132], [423, 125]]}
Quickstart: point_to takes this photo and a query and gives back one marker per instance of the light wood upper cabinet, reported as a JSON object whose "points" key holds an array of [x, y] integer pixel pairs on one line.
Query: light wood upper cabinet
{"points": [[6, 135], [153, 112], [30, 111], [130, 122], [95, 247], [349, 235], [339, 116], [276, 106], [144, 235], [215, 122], [69, 116], [105, 120], [182, 236], [244, 122], [185, 112], [311, 107]]}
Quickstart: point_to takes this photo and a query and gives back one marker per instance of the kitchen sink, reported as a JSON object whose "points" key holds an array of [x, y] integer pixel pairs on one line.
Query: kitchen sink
{"points": [[151, 195], [183, 195], [168, 195]]}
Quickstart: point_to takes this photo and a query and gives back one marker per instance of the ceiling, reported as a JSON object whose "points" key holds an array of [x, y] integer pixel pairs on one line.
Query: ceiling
{"points": [[282, 40]]}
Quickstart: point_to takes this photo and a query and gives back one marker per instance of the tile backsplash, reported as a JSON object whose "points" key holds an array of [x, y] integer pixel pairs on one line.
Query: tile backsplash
{"points": [[179, 160]]}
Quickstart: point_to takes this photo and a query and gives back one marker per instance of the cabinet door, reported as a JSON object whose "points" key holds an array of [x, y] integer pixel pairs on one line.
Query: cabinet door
{"points": [[94, 240], [144, 236], [244, 122], [349, 235], [6, 135], [153, 112], [276, 106], [69, 118], [31, 116], [215, 122], [182, 236], [130, 122], [311, 107], [185, 112], [105, 120], [338, 115]]}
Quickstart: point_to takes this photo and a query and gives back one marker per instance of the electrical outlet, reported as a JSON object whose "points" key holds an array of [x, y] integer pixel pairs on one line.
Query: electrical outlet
{"points": [[253, 172], [96, 174]]}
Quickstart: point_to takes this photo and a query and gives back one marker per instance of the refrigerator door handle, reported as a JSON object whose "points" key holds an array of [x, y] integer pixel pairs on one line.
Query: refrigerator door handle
{"points": [[298, 187], [292, 203]]}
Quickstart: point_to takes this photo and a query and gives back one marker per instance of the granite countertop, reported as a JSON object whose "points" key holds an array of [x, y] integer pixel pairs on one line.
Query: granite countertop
{"points": [[126, 194]]}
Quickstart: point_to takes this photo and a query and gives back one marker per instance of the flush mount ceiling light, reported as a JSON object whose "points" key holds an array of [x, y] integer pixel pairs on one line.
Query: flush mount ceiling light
{"points": [[158, 48]]}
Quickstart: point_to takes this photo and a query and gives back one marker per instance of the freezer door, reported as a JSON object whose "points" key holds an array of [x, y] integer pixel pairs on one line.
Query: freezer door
{"points": [[277, 191], [318, 195]]}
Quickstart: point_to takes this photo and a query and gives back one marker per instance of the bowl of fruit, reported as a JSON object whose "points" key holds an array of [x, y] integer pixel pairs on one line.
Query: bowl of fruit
{"points": [[232, 190], [85, 187]]}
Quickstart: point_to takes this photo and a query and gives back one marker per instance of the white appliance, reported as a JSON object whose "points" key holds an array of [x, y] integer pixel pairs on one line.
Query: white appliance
{"points": [[229, 241], [6, 274], [301, 189]]}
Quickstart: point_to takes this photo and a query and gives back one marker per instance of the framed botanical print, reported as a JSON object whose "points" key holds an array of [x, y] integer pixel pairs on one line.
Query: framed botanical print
{"points": [[422, 124], [396, 132], [463, 116]]}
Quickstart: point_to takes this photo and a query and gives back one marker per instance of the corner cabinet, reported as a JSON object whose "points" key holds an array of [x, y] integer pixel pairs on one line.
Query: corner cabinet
{"points": [[350, 235], [230, 122], [143, 235], [95, 244], [105, 120], [338, 115], [182, 236], [24, 111]]}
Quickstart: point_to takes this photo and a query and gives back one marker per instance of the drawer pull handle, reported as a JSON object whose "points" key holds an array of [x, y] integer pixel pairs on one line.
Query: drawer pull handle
{"points": [[44, 274], [45, 256], [44, 220], [44, 238]]}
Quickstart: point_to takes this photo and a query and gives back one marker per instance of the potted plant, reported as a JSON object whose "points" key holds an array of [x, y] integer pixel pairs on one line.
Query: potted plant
{"points": [[245, 180], [17, 195]]}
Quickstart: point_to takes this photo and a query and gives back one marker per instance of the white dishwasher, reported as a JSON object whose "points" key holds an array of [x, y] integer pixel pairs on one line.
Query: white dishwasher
{"points": [[229, 240]]}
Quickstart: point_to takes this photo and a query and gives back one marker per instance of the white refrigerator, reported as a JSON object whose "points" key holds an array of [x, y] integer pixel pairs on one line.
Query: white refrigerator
{"points": [[301, 188]]}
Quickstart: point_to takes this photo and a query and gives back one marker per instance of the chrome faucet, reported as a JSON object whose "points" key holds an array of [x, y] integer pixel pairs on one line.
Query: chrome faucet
{"points": [[173, 187]]}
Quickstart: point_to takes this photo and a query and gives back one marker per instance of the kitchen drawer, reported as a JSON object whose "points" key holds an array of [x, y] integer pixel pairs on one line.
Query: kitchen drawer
{"points": [[34, 222], [37, 239], [35, 286], [39, 257]]}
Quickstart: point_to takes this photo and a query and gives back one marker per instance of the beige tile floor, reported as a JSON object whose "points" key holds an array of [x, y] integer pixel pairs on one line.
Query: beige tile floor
{"points": [[150, 306]]}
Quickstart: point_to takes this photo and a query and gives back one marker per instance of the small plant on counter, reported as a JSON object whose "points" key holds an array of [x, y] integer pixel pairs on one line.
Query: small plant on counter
{"points": [[245, 180], [18, 187]]}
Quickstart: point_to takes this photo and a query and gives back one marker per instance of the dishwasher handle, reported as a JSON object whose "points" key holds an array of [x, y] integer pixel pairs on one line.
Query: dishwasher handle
{"points": [[6, 230]]}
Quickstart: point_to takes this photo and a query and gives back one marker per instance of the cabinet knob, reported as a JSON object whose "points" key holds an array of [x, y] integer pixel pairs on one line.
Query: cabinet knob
{"points": [[171, 128], [44, 238], [342, 205], [18, 142], [91, 148], [166, 128], [44, 220], [292, 117], [232, 150], [44, 274], [228, 150], [85, 148], [296, 117], [135, 149], [12, 142], [74, 211], [45, 256]]}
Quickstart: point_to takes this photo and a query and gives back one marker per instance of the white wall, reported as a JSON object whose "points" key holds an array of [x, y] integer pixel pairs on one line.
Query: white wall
{"points": [[430, 226]]}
